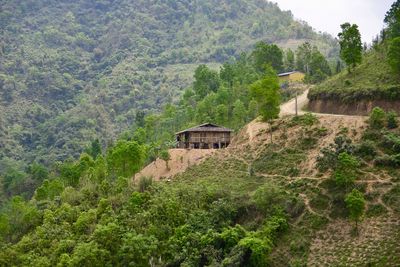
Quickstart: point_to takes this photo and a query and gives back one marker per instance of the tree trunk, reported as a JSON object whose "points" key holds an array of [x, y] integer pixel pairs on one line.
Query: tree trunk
{"points": [[270, 130], [356, 227]]}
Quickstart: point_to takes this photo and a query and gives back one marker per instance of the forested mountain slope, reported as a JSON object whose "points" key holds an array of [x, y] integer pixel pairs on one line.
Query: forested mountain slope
{"points": [[71, 71], [255, 203]]}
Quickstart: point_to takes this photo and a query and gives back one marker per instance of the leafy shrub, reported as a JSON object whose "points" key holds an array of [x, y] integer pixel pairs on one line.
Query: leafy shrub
{"points": [[279, 162], [257, 249], [268, 197], [71, 196], [315, 221], [89, 254], [391, 143], [49, 189], [307, 119], [377, 118], [145, 183], [346, 169], [320, 202], [329, 155], [392, 122], [372, 135], [366, 150], [323, 131], [85, 222], [392, 198], [388, 161], [308, 142], [375, 210], [107, 236], [231, 236]]}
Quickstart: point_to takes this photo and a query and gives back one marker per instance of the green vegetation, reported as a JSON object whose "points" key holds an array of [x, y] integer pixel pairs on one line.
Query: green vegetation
{"points": [[346, 170], [75, 71], [356, 204], [260, 203], [310, 61], [241, 90], [350, 45], [392, 19], [164, 155], [279, 162], [392, 122], [266, 93], [376, 77], [373, 79], [194, 221], [377, 118], [394, 54], [88, 213], [267, 54]]}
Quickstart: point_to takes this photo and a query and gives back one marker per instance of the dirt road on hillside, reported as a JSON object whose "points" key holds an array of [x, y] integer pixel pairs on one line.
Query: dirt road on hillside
{"points": [[289, 108]]}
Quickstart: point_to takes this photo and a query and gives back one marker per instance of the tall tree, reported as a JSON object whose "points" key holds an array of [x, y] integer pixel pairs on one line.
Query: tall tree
{"points": [[350, 45], [392, 19], [239, 114], [221, 114], [338, 67], [394, 54], [265, 55], [355, 203], [126, 158], [227, 73], [319, 68], [95, 149], [252, 110], [205, 81], [303, 57], [139, 118], [266, 93], [311, 61], [377, 118], [289, 60], [346, 170]]}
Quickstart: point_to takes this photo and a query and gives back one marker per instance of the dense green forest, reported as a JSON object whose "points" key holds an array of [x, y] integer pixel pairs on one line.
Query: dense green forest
{"points": [[232, 96], [220, 213], [82, 112], [74, 71]]}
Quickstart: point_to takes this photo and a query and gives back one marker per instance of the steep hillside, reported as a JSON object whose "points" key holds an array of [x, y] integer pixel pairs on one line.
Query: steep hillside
{"points": [[256, 203], [181, 159], [372, 83], [71, 71]]}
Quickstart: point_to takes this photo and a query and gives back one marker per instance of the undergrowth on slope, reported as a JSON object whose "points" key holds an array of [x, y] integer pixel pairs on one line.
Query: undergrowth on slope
{"points": [[371, 80]]}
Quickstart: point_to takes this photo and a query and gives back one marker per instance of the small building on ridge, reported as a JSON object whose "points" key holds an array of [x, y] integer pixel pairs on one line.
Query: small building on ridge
{"points": [[204, 136], [293, 76]]}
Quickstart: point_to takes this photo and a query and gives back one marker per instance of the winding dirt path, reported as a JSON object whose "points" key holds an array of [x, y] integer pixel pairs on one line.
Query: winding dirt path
{"points": [[289, 108]]}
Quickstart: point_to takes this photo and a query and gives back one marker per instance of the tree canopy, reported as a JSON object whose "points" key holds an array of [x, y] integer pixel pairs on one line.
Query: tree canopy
{"points": [[392, 19], [265, 55], [266, 92], [350, 44], [356, 205]]}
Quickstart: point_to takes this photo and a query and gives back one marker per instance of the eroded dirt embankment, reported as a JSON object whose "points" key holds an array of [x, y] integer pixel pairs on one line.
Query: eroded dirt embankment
{"points": [[181, 159], [362, 107]]}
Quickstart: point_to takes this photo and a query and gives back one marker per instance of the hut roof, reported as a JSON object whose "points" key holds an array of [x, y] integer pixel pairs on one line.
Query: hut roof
{"points": [[287, 73], [206, 127]]}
